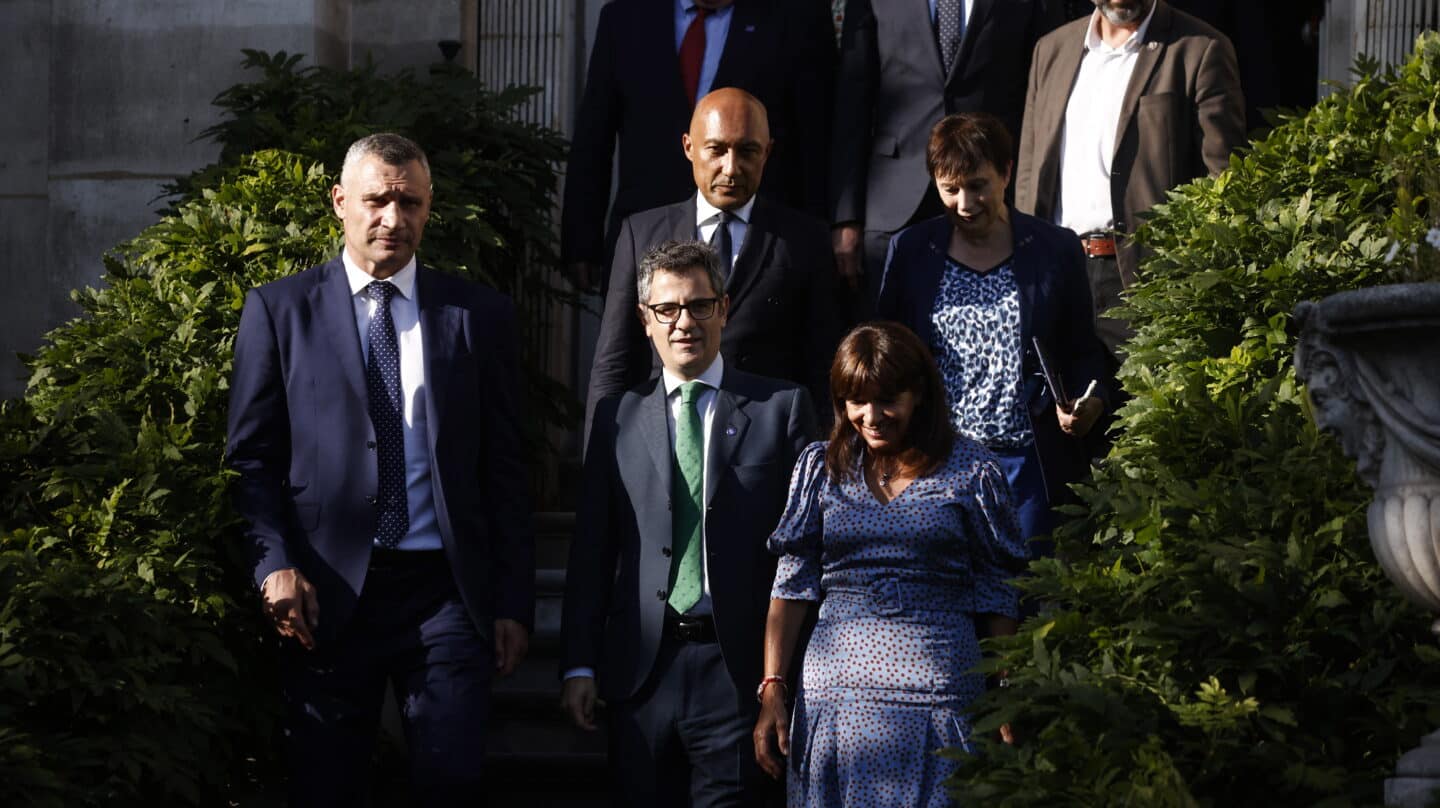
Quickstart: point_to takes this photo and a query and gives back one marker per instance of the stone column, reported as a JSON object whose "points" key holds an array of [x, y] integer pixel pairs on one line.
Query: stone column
{"points": [[1370, 360]]}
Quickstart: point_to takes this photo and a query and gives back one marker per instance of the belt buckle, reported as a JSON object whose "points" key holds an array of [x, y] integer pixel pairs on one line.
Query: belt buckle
{"points": [[687, 630]]}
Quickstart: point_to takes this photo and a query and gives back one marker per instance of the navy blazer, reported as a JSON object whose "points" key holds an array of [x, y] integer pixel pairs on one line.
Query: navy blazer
{"points": [[301, 438], [619, 567], [1049, 266]]}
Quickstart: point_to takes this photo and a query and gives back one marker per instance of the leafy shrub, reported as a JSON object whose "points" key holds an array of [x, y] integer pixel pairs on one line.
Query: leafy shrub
{"points": [[1220, 632], [131, 659]]}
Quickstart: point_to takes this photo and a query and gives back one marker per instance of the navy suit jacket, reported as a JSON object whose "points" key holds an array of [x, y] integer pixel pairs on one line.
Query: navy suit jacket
{"points": [[784, 315], [619, 567], [1049, 267], [300, 437], [780, 51]]}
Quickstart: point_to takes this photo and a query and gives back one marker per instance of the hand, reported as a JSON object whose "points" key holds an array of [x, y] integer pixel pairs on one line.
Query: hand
{"points": [[585, 275], [849, 259], [1007, 736], [289, 601], [1082, 415], [512, 641], [577, 698], [774, 721]]}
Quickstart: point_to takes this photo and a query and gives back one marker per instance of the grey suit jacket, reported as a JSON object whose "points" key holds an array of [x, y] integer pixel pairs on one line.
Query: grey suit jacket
{"points": [[619, 567], [891, 88], [1182, 117]]}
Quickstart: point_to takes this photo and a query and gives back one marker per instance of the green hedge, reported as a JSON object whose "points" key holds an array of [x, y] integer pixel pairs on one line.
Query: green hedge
{"points": [[134, 668], [1220, 633]]}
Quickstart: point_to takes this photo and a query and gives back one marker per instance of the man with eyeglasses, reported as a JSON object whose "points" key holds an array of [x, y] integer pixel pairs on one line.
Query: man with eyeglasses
{"points": [[668, 577], [776, 263]]}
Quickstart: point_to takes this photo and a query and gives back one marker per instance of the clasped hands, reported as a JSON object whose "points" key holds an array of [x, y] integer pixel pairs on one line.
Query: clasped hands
{"points": [[289, 601]]}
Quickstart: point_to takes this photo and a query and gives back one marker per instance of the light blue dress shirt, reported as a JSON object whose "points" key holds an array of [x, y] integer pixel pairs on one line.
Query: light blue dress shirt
{"points": [[717, 29]]}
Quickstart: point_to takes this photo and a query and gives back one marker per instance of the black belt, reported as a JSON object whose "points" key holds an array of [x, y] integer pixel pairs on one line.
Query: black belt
{"points": [[690, 627], [383, 559]]}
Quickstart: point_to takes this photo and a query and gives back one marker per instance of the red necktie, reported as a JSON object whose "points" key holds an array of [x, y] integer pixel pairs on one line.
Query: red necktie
{"points": [[692, 53]]}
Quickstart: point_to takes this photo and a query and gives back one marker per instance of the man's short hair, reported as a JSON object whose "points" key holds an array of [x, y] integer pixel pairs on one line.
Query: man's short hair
{"points": [[679, 256], [393, 149], [962, 143]]}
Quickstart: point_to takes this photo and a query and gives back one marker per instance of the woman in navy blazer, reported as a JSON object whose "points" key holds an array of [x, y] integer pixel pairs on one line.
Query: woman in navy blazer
{"points": [[983, 285]]}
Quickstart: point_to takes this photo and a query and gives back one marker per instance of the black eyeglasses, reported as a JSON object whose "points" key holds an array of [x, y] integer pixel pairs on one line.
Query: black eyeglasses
{"points": [[667, 313]]}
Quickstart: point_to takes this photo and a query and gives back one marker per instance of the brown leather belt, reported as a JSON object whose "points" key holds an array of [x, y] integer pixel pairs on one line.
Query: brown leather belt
{"points": [[1099, 245]]}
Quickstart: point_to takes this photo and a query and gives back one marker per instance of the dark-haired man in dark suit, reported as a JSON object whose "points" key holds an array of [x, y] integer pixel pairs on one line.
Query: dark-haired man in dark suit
{"points": [[668, 581]]}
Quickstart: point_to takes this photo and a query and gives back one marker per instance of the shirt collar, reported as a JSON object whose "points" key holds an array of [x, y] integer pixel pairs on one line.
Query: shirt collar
{"points": [[704, 211], [1094, 42], [710, 378], [404, 280], [689, 7]]}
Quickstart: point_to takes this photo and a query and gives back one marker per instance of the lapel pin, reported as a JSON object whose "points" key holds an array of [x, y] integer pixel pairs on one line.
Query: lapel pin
{"points": [[749, 29], [729, 430], [1152, 45]]}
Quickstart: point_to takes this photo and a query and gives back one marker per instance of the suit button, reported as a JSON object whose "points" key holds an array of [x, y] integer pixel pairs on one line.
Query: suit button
{"points": [[665, 551], [709, 508], [372, 499], [660, 594], [369, 444]]}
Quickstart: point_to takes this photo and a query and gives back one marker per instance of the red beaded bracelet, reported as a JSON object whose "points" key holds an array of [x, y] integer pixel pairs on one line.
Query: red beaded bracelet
{"points": [[766, 682]]}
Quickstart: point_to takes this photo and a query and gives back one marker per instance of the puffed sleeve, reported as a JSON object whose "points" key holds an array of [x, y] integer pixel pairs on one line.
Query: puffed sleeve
{"points": [[997, 552], [797, 539]]}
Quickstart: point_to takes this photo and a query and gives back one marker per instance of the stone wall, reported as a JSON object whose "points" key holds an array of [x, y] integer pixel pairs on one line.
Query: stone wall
{"points": [[105, 100]]}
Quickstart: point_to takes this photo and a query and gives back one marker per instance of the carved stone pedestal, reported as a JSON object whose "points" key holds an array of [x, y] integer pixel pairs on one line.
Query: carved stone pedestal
{"points": [[1371, 359]]}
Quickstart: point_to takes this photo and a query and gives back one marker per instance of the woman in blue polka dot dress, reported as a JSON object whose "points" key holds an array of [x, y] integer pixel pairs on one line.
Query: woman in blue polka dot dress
{"points": [[903, 532]]}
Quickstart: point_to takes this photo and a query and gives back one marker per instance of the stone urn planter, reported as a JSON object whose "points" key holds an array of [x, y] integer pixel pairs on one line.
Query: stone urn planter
{"points": [[1371, 361]]}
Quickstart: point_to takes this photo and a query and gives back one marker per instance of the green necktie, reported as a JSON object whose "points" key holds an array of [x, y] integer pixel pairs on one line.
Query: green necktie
{"points": [[686, 571]]}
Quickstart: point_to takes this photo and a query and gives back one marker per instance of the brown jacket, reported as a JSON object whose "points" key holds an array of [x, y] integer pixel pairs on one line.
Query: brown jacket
{"points": [[1183, 115]]}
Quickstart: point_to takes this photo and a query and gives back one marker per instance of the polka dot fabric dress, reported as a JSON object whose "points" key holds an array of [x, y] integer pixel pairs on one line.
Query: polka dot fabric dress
{"points": [[887, 671]]}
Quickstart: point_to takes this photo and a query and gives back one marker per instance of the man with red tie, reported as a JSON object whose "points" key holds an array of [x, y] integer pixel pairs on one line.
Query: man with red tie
{"points": [[652, 59]]}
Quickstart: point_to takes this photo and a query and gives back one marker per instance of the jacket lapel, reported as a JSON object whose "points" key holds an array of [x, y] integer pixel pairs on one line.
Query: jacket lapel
{"points": [[1151, 50], [979, 18], [335, 307], [1022, 263], [1051, 114], [743, 21], [655, 22], [440, 333], [655, 432], [680, 221], [727, 430], [754, 251]]}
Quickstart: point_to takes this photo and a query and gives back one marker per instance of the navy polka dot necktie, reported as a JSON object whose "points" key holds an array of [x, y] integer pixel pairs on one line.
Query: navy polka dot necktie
{"points": [[948, 29], [382, 382]]}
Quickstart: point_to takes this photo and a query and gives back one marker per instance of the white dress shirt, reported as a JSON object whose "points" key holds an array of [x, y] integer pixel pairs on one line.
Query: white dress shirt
{"points": [[424, 531], [705, 404], [717, 30], [707, 218], [1087, 142]]}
